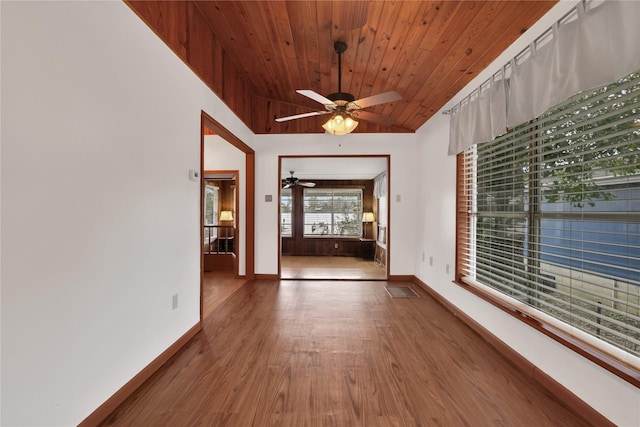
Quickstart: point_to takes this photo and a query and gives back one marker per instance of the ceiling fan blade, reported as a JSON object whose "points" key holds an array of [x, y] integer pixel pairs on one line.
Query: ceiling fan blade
{"points": [[307, 184], [300, 116], [316, 97], [288, 185], [377, 118], [380, 98]]}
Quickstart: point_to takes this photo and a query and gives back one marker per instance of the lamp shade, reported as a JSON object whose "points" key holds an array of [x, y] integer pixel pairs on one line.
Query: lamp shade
{"points": [[368, 217], [340, 125], [226, 216]]}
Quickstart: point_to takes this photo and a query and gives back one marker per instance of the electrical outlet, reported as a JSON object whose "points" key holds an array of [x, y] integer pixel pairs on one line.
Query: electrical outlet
{"points": [[335, 246], [447, 268], [431, 261], [174, 301]]}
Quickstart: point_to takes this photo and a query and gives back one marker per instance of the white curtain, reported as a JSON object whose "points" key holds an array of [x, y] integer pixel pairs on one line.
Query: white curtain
{"points": [[482, 118], [380, 185], [600, 46]]}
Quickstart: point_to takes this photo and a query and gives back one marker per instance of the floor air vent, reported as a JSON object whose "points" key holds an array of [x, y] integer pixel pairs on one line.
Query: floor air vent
{"points": [[401, 292]]}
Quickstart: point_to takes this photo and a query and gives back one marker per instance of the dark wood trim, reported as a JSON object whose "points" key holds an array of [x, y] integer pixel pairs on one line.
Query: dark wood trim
{"points": [[401, 278], [279, 198], [558, 390], [204, 130], [220, 130], [461, 213], [110, 405], [267, 276], [387, 264], [250, 203]]}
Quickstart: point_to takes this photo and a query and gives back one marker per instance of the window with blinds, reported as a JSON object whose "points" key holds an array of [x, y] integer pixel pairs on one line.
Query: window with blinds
{"points": [[332, 212], [549, 216], [286, 207], [211, 205]]}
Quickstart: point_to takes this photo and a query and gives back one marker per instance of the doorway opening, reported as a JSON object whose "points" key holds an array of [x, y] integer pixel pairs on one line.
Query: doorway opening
{"points": [[333, 217], [226, 214], [220, 219]]}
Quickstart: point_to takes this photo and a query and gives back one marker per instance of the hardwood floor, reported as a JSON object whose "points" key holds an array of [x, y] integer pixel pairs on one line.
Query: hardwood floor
{"points": [[217, 286], [338, 353], [330, 267]]}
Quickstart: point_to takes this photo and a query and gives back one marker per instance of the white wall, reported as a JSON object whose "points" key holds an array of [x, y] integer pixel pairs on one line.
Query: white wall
{"points": [[614, 398], [100, 223], [402, 173], [221, 155]]}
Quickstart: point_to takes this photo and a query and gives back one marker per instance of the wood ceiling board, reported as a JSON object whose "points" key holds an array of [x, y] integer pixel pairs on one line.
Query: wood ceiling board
{"points": [[398, 33], [168, 21], [520, 22], [323, 22], [382, 35], [405, 67], [262, 51], [201, 44], [265, 58], [305, 41], [348, 15], [450, 48]]}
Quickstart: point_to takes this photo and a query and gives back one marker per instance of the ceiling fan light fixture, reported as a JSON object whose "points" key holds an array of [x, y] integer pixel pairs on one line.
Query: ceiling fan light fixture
{"points": [[340, 125]]}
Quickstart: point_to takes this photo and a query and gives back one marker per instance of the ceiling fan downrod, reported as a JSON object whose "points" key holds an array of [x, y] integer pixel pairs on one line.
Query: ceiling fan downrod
{"points": [[339, 48]]}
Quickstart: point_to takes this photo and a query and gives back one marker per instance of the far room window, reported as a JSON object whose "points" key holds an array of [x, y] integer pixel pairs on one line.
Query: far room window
{"points": [[286, 207], [211, 197], [211, 204], [332, 212]]}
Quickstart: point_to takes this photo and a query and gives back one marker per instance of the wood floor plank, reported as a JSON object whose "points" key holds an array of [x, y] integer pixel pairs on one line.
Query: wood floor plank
{"points": [[338, 353], [330, 267]]}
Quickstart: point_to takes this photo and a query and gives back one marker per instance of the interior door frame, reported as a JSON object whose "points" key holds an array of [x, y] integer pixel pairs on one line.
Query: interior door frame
{"points": [[207, 124], [236, 209], [388, 227]]}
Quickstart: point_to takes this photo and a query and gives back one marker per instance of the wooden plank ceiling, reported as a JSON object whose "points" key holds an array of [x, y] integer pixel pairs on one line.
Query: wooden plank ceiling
{"points": [[255, 54]]}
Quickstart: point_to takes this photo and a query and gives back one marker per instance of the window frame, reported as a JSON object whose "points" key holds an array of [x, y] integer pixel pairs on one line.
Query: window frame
{"points": [[286, 192], [333, 225], [545, 325], [210, 229]]}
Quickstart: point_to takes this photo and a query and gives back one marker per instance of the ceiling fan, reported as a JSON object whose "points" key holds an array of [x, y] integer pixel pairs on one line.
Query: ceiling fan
{"points": [[292, 180], [344, 106]]}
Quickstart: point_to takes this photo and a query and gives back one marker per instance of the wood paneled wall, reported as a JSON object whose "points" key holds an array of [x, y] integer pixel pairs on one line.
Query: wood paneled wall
{"points": [[182, 26], [324, 246]]}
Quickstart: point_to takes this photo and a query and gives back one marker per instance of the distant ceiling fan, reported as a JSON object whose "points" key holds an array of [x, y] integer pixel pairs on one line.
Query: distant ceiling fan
{"points": [[292, 180], [344, 106]]}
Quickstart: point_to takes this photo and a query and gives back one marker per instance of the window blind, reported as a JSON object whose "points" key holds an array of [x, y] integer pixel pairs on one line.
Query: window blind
{"points": [[333, 212], [549, 214]]}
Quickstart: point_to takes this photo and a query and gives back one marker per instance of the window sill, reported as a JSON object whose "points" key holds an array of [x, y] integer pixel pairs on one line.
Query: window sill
{"points": [[602, 359]]}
